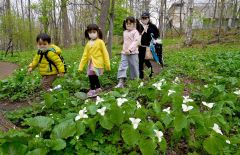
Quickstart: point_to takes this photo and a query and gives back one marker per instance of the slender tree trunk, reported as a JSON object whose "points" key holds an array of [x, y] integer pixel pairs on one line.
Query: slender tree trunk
{"points": [[220, 20], [30, 24], [180, 17], [66, 31], [234, 18], [188, 38], [110, 38], [161, 24], [22, 7], [103, 16]]}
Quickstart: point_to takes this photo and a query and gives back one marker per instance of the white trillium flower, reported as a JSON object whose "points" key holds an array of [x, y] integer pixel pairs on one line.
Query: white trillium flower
{"points": [[99, 100], [186, 99], [138, 105], [176, 80], [237, 92], [209, 105], [170, 92], [159, 135], [135, 122], [124, 95], [77, 137], [120, 101], [217, 129], [186, 108], [81, 114], [102, 111], [206, 86], [159, 84], [141, 85], [228, 142], [167, 110], [37, 136], [86, 101]]}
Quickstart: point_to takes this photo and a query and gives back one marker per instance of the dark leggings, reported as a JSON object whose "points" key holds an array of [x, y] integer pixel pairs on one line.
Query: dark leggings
{"points": [[142, 60], [94, 82]]}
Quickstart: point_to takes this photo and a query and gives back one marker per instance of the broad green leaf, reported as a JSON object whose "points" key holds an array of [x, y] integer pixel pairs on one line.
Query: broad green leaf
{"points": [[147, 146], [116, 115], [81, 95], [49, 99], [80, 127], [105, 123], [40, 122], [130, 136], [64, 130], [213, 145], [92, 124], [14, 148], [56, 144], [180, 122], [38, 151]]}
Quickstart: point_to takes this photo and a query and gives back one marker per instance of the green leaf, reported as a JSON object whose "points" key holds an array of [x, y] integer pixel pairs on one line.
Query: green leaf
{"points": [[14, 148], [105, 123], [40, 122], [49, 99], [114, 94], [81, 95], [38, 151], [180, 122], [163, 145], [213, 145], [80, 127], [130, 136], [116, 115], [147, 146], [92, 124], [64, 130], [56, 144], [92, 109]]}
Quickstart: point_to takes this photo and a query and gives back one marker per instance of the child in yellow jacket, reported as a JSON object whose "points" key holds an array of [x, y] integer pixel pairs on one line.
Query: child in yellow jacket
{"points": [[96, 55], [48, 60]]}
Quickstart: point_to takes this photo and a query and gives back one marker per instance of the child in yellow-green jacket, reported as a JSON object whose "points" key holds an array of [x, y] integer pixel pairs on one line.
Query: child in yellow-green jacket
{"points": [[48, 60], [96, 55]]}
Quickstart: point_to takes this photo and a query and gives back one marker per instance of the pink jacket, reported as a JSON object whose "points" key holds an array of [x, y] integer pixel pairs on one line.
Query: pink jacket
{"points": [[131, 41]]}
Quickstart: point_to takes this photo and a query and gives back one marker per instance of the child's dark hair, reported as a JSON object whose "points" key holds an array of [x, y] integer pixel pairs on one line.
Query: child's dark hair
{"points": [[131, 20], [43, 37], [93, 27]]}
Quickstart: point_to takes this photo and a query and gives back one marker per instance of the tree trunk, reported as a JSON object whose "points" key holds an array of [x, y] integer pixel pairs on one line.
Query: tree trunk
{"points": [[234, 19], [220, 20], [103, 16], [29, 24], [66, 31], [161, 24], [180, 17], [188, 38], [111, 26]]}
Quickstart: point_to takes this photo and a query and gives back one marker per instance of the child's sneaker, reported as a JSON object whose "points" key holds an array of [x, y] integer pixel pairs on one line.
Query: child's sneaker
{"points": [[120, 85], [91, 93], [98, 90]]}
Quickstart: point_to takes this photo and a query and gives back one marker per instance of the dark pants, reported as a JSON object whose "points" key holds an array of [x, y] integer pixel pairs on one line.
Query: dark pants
{"points": [[94, 82], [47, 81], [142, 60]]}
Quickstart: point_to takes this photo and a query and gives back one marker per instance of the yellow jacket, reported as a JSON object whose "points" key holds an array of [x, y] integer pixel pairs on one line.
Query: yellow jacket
{"points": [[97, 53], [44, 67]]}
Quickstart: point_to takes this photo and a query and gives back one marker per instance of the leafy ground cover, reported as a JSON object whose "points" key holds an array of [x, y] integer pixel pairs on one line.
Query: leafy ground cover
{"points": [[191, 107]]}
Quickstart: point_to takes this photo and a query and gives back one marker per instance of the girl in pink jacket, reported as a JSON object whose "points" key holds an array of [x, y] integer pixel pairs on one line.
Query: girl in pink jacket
{"points": [[129, 54]]}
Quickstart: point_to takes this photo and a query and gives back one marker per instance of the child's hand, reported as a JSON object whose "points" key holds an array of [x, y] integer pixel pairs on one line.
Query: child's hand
{"points": [[61, 74], [30, 70]]}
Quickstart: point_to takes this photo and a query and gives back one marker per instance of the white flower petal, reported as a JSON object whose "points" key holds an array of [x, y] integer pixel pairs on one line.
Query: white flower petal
{"points": [[209, 105], [170, 92], [186, 108], [138, 105], [99, 100], [228, 142], [237, 92], [159, 135], [102, 111], [167, 110], [217, 129], [120, 101], [135, 122], [186, 99], [141, 85]]}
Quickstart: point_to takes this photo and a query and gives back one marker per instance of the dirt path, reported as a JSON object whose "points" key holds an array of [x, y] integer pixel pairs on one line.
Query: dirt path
{"points": [[6, 69]]}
